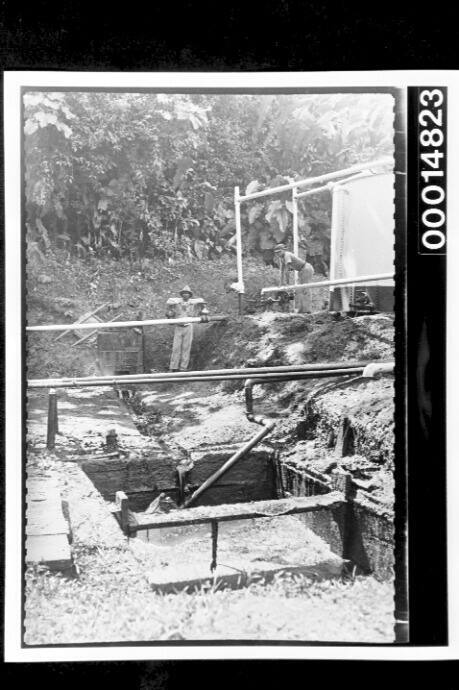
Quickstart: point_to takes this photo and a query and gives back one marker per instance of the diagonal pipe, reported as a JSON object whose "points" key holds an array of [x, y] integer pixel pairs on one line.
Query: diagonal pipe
{"points": [[267, 428]]}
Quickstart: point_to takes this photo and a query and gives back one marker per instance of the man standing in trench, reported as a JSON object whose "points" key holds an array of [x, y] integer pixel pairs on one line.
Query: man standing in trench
{"points": [[289, 262], [181, 308]]}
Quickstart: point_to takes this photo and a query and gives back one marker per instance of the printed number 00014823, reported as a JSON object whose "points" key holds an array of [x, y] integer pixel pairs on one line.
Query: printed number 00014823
{"points": [[432, 197]]}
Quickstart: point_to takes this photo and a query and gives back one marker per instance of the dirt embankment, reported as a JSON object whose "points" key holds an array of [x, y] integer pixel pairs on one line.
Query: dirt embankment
{"points": [[326, 423], [320, 424], [61, 290], [310, 421]]}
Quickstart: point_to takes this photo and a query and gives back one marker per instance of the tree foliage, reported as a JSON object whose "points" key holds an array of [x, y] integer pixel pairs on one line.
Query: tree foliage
{"points": [[129, 174]]}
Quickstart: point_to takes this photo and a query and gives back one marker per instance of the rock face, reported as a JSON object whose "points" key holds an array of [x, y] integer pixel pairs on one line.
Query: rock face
{"points": [[143, 478]]}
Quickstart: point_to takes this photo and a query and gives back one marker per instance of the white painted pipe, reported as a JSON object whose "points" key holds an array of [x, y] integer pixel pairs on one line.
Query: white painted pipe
{"points": [[316, 190], [358, 167], [295, 234], [122, 324], [337, 281], [371, 370], [237, 217], [331, 185]]}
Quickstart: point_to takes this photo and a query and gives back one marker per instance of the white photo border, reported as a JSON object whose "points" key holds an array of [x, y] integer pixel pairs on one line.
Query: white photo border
{"points": [[13, 83]]}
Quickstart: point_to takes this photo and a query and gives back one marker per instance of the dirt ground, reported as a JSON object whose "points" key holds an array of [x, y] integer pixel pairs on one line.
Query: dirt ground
{"points": [[119, 575], [112, 598]]}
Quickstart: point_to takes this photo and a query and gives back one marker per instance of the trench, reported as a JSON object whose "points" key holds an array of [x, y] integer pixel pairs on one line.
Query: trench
{"points": [[327, 543]]}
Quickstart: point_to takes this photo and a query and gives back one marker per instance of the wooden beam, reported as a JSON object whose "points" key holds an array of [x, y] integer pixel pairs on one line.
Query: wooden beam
{"points": [[241, 511], [122, 505], [82, 319], [52, 420], [89, 335]]}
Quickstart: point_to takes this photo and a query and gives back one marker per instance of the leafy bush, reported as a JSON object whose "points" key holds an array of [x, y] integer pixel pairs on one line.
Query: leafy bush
{"points": [[153, 175]]}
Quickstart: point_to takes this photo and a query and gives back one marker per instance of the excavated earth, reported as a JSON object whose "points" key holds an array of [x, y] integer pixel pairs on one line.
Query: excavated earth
{"points": [[320, 427]]}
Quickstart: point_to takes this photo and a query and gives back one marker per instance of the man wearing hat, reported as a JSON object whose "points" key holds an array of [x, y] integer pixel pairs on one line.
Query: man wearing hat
{"points": [[289, 262], [181, 308]]}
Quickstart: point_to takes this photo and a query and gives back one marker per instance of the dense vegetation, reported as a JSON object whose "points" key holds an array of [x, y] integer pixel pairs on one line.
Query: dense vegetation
{"points": [[153, 175]]}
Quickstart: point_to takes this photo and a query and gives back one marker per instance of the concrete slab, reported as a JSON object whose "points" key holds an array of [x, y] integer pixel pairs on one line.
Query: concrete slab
{"points": [[51, 550], [47, 530], [166, 582]]}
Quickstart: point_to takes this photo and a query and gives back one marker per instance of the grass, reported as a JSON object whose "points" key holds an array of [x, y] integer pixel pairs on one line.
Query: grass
{"points": [[112, 602]]}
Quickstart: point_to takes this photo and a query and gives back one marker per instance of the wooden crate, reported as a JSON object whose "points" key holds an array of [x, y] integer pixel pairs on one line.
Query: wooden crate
{"points": [[120, 351]]}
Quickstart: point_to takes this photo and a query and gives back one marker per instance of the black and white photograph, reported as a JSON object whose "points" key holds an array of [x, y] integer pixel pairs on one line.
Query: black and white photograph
{"points": [[213, 298]]}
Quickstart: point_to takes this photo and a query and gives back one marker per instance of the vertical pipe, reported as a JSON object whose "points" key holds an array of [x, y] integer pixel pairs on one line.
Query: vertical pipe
{"points": [[295, 222], [333, 248], [237, 216], [142, 330], [52, 419], [295, 238]]}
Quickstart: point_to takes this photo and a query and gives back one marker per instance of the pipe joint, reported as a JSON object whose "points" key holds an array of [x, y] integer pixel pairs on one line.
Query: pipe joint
{"points": [[377, 368]]}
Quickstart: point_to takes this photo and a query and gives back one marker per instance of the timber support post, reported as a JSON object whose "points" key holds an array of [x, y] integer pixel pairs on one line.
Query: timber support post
{"points": [[214, 527], [342, 481], [53, 425], [122, 505]]}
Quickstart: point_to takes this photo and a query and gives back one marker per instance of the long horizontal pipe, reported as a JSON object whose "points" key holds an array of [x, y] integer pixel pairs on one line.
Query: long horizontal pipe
{"points": [[124, 324], [320, 178], [246, 371], [311, 192], [336, 281], [89, 382], [211, 374], [325, 187], [229, 463]]}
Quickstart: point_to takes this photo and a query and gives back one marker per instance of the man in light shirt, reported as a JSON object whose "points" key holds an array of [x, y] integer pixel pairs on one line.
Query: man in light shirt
{"points": [[182, 308], [288, 262]]}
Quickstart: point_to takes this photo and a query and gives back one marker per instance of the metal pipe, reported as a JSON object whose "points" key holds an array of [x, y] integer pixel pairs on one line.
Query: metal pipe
{"points": [[336, 281], [358, 167], [237, 218], [88, 382], [330, 186], [125, 324], [248, 394], [295, 235], [371, 370], [311, 192], [247, 372], [320, 371], [229, 463]]}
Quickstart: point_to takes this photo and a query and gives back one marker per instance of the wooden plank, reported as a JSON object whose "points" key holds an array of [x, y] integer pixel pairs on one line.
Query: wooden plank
{"points": [[242, 511], [251, 479], [91, 333], [82, 319]]}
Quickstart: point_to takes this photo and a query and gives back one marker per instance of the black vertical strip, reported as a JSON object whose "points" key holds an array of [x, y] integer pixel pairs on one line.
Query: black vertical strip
{"points": [[3, 354], [426, 421], [400, 473]]}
